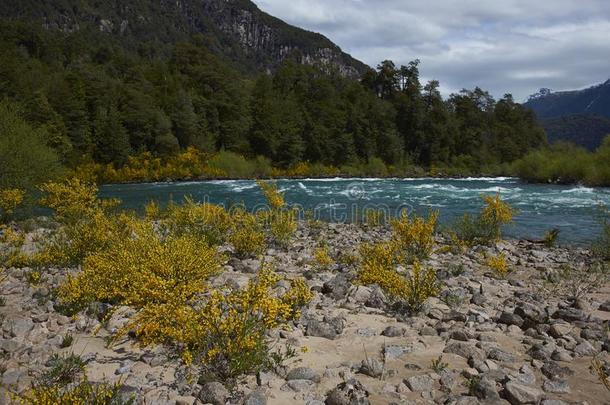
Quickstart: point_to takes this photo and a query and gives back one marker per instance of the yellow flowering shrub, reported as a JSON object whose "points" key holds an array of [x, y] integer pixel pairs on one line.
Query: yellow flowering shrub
{"points": [[378, 266], [246, 236], [498, 264], [283, 225], [495, 214], [322, 258], [484, 228], [72, 243], [10, 199], [206, 221], [233, 324], [282, 222], [374, 218], [414, 236], [73, 200], [274, 198], [82, 393], [11, 242], [143, 270]]}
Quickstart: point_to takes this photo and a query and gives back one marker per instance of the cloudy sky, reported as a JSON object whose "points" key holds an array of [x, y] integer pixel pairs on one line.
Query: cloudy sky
{"points": [[508, 46]]}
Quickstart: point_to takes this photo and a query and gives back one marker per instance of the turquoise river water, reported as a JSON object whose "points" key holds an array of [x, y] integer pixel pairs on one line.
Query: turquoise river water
{"points": [[574, 210]]}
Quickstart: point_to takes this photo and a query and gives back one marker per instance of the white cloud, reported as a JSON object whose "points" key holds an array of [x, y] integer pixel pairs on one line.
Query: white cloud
{"points": [[513, 46]]}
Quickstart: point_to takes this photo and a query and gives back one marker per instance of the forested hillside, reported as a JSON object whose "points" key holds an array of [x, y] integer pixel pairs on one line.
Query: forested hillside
{"points": [[94, 97], [581, 116]]}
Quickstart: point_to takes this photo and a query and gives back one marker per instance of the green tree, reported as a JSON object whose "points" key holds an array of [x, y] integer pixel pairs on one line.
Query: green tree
{"points": [[25, 158], [112, 141]]}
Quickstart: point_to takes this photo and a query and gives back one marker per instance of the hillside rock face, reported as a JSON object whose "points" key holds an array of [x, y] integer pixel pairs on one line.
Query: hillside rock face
{"points": [[236, 29]]}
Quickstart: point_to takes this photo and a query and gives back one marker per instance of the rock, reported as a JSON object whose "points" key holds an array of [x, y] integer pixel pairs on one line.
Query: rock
{"points": [[585, 349], [605, 306], [553, 402], [366, 332], [531, 314], [351, 392], [553, 370], [556, 386], [372, 368], [298, 385], [500, 355], [321, 329], [460, 334], [337, 287], [393, 331], [464, 350], [428, 331], [213, 393], [508, 318], [419, 383], [484, 388], [570, 314], [393, 352], [303, 373], [558, 330], [256, 397], [18, 327], [518, 394]]}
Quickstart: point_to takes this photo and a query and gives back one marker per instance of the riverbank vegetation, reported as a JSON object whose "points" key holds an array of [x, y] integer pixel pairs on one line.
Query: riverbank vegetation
{"points": [[566, 164]]}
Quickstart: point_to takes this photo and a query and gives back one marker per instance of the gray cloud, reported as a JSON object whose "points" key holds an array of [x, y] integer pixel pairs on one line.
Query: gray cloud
{"points": [[513, 46]]}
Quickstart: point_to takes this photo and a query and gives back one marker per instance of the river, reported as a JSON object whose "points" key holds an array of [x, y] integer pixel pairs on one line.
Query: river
{"points": [[574, 210]]}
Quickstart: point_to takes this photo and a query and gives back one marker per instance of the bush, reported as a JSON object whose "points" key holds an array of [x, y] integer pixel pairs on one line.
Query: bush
{"points": [[498, 264], [374, 217], [10, 199], [246, 235], [601, 247], [234, 165], [486, 227], [414, 236], [205, 221], [26, 159], [322, 258], [282, 221], [378, 266], [141, 271], [232, 325]]}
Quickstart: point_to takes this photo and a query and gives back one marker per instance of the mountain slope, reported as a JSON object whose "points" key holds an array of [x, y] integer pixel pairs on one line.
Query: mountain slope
{"points": [[235, 29], [581, 116]]}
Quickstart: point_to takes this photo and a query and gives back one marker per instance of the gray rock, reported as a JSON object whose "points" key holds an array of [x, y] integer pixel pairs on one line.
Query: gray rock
{"points": [[553, 402], [372, 368], [464, 350], [393, 331], [366, 332], [518, 394], [553, 370], [460, 334], [500, 355], [213, 393], [303, 373], [570, 314], [484, 388], [321, 329], [585, 349], [556, 386], [420, 383], [337, 287], [558, 330], [605, 306], [394, 352], [428, 331], [351, 392], [298, 385], [508, 318]]}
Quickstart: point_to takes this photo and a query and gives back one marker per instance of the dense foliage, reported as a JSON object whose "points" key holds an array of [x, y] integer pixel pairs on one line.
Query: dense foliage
{"points": [[94, 98], [566, 163]]}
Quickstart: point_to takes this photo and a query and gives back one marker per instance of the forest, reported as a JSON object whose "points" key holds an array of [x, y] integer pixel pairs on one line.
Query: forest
{"points": [[88, 98]]}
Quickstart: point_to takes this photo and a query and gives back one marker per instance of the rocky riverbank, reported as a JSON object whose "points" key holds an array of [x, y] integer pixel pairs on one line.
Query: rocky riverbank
{"points": [[522, 339]]}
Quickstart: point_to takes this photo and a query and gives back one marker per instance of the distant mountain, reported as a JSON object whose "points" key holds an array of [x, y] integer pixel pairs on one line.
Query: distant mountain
{"points": [[235, 29], [580, 116]]}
